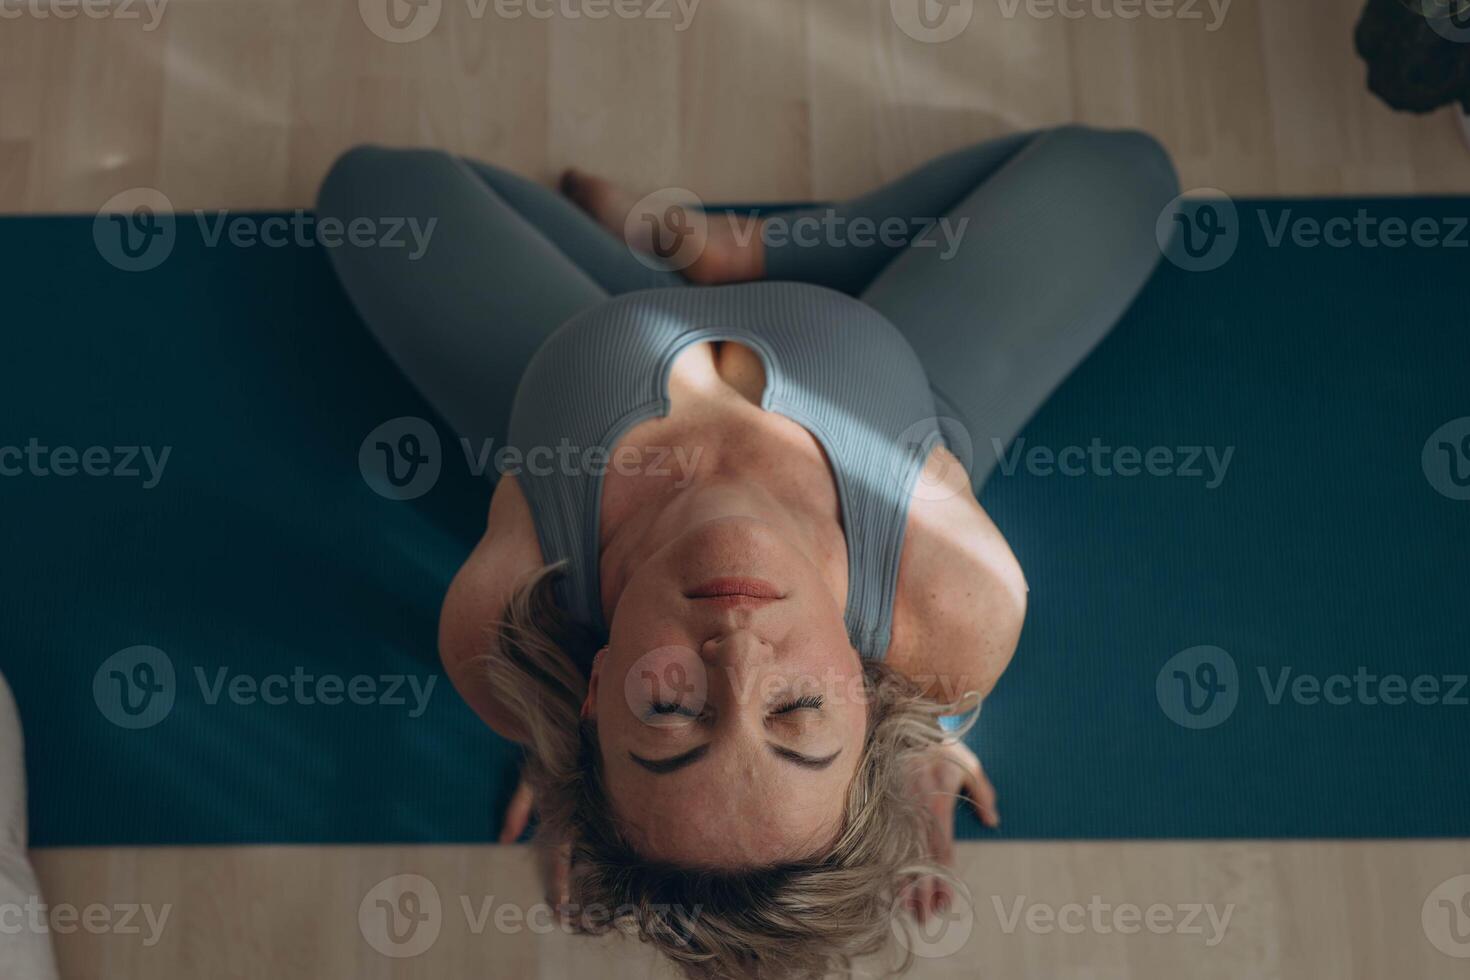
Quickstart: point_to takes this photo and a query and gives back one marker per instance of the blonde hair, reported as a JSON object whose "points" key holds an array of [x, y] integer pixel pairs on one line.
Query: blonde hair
{"points": [[793, 921]]}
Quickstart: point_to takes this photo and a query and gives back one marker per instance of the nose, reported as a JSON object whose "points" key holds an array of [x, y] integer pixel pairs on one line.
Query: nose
{"points": [[736, 661], [736, 649]]}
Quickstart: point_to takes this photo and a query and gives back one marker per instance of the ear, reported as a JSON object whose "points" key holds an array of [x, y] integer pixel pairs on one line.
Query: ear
{"points": [[589, 705]]}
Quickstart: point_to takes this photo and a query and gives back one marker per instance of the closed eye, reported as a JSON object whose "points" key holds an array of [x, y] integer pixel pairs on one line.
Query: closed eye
{"points": [[666, 708], [809, 701], [805, 761]]}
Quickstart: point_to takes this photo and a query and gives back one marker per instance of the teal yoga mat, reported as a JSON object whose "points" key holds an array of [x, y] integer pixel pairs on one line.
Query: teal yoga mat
{"points": [[235, 642]]}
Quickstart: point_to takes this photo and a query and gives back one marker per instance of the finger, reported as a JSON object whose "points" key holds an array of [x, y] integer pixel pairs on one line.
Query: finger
{"points": [[921, 898], [941, 835], [517, 814], [982, 794], [943, 897], [556, 870]]}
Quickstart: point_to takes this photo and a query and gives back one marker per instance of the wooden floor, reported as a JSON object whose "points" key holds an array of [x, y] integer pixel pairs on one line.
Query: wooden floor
{"points": [[244, 104], [1297, 911]]}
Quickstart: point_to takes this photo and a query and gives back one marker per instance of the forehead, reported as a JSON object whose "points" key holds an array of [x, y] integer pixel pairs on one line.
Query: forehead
{"points": [[765, 813]]}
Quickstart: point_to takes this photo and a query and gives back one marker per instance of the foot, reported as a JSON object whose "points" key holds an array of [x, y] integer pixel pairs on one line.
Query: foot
{"points": [[720, 251]]}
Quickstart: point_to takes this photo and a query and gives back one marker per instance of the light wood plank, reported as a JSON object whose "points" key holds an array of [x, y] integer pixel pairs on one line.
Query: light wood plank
{"points": [[1339, 909], [245, 104]]}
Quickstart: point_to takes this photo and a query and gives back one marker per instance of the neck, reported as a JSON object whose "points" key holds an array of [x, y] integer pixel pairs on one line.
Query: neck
{"points": [[660, 521]]}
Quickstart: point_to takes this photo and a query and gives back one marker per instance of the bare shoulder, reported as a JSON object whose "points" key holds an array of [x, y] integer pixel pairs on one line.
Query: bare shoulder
{"points": [[961, 596], [508, 552]]}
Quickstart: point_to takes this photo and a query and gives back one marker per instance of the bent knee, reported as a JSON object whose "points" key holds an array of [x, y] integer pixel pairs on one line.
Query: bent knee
{"points": [[368, 172], [1130, 162]]}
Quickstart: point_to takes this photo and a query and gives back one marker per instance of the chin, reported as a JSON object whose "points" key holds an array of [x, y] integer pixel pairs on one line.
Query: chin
{"points": [[735, 546]]}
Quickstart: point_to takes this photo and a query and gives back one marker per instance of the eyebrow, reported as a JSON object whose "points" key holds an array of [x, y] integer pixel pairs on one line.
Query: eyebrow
{"points": [[661, 767]]}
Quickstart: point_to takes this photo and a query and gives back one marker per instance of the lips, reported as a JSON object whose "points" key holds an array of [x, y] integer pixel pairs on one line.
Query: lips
{"points": [[734, 589]]}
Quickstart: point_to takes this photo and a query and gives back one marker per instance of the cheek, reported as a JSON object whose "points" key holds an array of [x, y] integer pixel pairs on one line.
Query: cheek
{"points": [[644, 620], [828, 659]]}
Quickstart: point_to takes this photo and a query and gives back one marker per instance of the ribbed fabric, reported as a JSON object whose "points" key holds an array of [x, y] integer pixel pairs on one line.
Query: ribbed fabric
{"points": [[833, 365]]}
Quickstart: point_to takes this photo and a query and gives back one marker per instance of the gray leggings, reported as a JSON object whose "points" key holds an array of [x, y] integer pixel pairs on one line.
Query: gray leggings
{"points": [[1055, 233]]}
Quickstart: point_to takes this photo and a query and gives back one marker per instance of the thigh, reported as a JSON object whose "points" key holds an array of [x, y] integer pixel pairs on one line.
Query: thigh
{"points": [[603, 256], [463, 313], [845, 246], [1054, 247]]}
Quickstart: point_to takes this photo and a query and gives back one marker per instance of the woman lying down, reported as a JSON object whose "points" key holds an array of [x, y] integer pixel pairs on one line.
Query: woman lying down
{"points": [[740, 680]]}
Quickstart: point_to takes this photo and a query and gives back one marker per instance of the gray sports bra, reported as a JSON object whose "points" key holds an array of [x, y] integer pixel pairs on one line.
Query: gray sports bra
{"points": [[833, 365]]}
